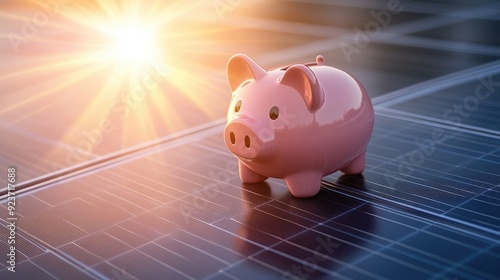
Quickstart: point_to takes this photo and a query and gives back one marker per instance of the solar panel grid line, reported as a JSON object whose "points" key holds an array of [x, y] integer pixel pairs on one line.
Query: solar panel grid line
{"points": [[428, 87], [200, 195], [492, 193], [393, 260], [222, 275], [462, 243], [273, 238], [378, 253], [193, 200], [37, 137], [490, 207], [81, 269], [133, 239], [493, 200], [189, 256], [35, 248], [456, 224], [410, 198], [407, 200], [267, 265], [349, 210], [414, 178], [217, 150], [221, 235], [132, 225], [177, 254], [485, 158], [293, 259], [65, 258], [438, 175], [301, 217], [483, 219], [470, 257], [449, 124], [210, 255], [167, 271], [118, 272], [318, 269], [153, 204], [118, 201], [86, 243], [482, 116], [439, 212], [479, 148], [313, 267], [155, 182], [250, 267], [108, 160], [300, 212], [445, 262], [258, 245], [459, 179], [212, 249], [41, 272], [444, 164], [203, 178], [205, 128], [7, 154], [160, 203], [430, 170], [487, 119], [475, 212]]}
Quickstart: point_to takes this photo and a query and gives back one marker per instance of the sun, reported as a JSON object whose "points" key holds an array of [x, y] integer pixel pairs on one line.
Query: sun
{"points": [[133, 43]]}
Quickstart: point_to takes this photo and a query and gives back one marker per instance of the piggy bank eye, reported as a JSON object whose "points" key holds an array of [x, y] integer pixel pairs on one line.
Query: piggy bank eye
{"points": [[237, 107], [274, 113]]}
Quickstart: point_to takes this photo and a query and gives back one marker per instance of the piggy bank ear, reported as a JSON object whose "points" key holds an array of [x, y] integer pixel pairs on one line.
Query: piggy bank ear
{"points": [[302, 79], [241, 68]]}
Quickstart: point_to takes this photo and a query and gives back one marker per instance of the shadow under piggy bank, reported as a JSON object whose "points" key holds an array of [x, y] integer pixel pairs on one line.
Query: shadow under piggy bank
{"points": [[322, 231]]}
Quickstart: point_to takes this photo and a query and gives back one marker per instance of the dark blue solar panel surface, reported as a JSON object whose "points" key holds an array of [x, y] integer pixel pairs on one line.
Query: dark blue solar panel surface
{"points": [[426, 207]]}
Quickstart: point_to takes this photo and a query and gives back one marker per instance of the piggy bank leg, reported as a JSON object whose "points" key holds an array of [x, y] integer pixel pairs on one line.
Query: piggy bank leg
{"points": [[356, 166], [247, 175], [304, 184]]}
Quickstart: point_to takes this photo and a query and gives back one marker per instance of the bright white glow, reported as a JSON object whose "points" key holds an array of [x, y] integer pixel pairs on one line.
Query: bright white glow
{"points": [[133, 44]]}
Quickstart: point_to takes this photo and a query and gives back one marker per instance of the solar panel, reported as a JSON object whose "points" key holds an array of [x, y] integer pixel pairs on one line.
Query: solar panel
{"points": [[173, 207]]}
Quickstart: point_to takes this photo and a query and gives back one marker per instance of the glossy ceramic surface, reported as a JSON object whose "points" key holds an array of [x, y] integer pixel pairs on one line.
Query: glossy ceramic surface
{"points": [[298, 123]]}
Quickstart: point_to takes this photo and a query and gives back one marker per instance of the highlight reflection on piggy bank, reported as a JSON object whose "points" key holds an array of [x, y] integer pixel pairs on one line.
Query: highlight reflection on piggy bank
{"points": [[298, 123]]}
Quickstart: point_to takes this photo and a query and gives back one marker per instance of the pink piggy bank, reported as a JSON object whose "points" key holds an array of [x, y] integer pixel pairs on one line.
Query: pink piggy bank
{"points": [[298, 123]]}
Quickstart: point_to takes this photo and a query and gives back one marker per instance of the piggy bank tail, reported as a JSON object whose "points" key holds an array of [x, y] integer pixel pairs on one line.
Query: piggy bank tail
{"points": [[320, 60]]}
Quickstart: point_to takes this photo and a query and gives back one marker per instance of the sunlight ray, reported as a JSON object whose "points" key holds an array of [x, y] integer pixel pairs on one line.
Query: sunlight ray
{"points": [[93, 53], [79, 60], [103, 101], [60, 83]]}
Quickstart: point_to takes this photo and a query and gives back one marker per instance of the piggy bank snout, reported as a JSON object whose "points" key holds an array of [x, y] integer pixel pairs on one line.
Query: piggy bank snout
{"points": [[243, 141]]}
